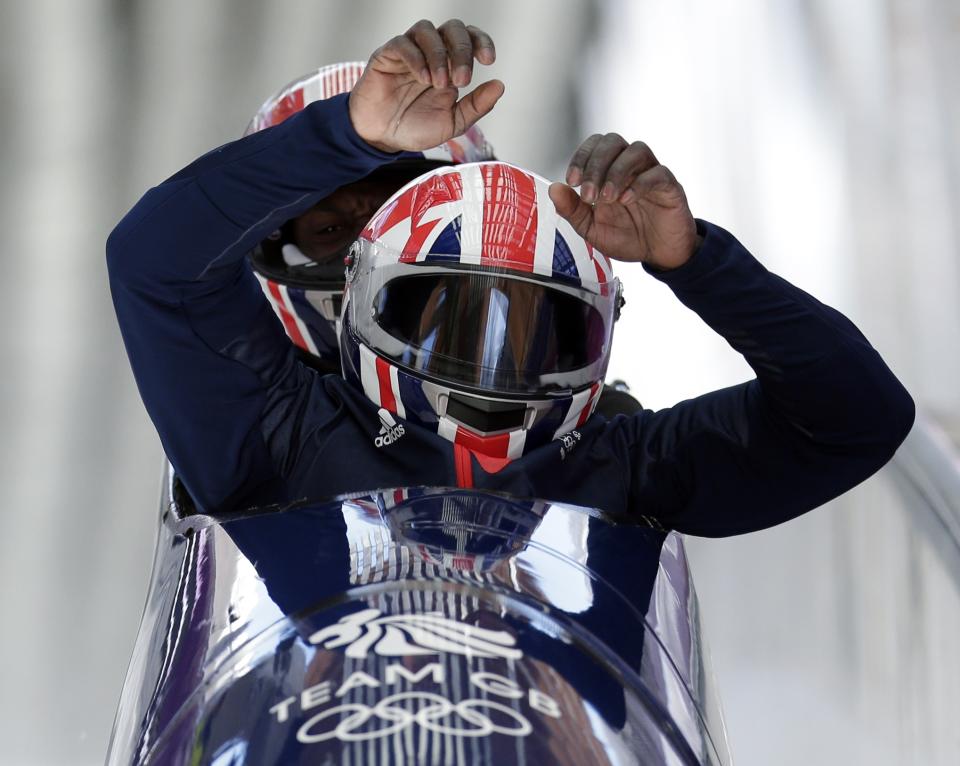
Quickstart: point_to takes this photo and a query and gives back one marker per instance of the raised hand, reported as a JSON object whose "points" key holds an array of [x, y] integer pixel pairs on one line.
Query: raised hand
{"points": [[630, 207], [407, 98]]}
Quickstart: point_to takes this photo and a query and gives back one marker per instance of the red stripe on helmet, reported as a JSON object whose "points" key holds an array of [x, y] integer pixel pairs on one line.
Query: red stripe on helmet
{"points": [[461, 463], [490, 451], [491, 464], [435, 191], [330, 83], [288, 105], [457, 153], [289, 323], [387, 399], [585, 412], [494, 446], [418, 235], [509, 217], [601, 274], [390, 216]]}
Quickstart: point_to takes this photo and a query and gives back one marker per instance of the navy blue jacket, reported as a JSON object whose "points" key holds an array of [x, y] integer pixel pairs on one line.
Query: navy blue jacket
{"points": [[245, 423]]}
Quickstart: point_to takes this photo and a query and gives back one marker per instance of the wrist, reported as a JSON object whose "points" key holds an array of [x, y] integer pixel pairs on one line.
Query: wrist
{"points": [[380, 147], [363, 133], [714, 244], [677, 257]]}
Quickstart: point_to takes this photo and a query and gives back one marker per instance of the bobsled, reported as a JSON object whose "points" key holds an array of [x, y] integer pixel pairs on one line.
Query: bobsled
{"points": [[417, 626]]}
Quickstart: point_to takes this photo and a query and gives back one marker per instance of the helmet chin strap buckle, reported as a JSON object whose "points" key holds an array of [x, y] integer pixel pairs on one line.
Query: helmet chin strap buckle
{"points": [[484, 415]]}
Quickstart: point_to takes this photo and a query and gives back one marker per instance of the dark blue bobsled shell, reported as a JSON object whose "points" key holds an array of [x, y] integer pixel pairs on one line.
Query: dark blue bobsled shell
{"points": [[418, 626]]}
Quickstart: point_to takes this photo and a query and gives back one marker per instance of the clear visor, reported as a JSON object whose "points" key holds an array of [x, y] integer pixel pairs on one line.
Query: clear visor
{"points": [[491, 331]]}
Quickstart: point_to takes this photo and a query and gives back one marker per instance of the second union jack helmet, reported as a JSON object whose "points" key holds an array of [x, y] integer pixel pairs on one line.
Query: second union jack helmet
{"points": [[474, 309], [306, 293]]}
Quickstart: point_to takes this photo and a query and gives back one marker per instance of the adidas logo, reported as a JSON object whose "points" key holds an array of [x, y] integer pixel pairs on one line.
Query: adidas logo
{"points": [[390, 429]]}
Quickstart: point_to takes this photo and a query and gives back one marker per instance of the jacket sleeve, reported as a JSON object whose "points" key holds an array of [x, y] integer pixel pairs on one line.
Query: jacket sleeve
{"points": [[213, 366], [823, 414]]}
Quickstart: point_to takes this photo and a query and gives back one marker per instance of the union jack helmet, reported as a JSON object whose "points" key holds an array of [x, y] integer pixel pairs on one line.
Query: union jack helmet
{"points": [[306, 293], [474, 309]]}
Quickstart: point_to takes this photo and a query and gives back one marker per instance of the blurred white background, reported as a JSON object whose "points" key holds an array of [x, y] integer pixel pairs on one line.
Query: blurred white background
{"points": [[823, 134]]}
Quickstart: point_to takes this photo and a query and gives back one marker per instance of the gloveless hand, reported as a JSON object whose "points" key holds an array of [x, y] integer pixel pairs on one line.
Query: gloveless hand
{"points": [[407, 98], [630, 207]]}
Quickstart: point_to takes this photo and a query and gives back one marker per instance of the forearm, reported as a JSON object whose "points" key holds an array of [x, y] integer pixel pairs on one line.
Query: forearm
{"points": [[824, 413], [816, 371], [210, 359], [204, 219]]}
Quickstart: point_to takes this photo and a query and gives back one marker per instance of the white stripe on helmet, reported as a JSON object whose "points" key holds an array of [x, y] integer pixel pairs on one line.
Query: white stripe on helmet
{"points": [[577, 403], [546, 230], [471, 228], [368, 374], [395, 387]]}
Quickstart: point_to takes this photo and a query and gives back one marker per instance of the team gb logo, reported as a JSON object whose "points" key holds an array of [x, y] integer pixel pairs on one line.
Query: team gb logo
{"points": [[403, 635]]}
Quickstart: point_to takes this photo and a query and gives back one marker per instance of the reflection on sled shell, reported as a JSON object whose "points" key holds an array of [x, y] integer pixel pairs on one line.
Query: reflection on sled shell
{"points": [[418, 626]]}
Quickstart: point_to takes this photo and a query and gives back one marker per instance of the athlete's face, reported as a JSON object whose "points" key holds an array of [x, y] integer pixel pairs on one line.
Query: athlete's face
{"points": [[326, 229]]}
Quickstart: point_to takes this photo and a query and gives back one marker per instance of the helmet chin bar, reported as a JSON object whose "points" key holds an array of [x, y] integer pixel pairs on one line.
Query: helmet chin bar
{"points": [[328, 304], [484, 415]]}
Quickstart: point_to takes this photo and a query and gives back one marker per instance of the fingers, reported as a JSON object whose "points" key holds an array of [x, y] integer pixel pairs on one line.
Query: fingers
{"points": [[658, 186], [428, 40], [460, 51], [579, 159], [565, 199], [604, 166], [607, 169], [475, 104], [610, 166], [448, 52], [569, 205], [483, 47], [409, 53], [604, 153], [635, 159]]}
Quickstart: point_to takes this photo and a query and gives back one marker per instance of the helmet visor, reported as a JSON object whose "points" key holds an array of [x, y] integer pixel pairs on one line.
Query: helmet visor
{"points": [[492, 331]]}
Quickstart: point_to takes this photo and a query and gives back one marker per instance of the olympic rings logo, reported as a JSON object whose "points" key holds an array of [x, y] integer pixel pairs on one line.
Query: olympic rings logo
{"points": [[475, 723]]}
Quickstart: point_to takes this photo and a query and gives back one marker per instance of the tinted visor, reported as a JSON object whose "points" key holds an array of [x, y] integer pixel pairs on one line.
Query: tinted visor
{"points": [[491, 332]]}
